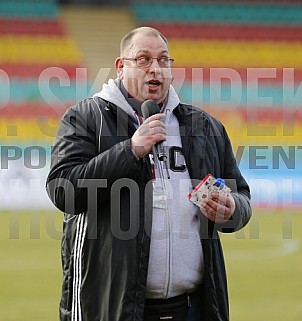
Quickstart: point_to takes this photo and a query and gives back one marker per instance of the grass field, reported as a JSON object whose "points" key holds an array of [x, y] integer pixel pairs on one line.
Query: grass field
{"points": [[264, 265]]}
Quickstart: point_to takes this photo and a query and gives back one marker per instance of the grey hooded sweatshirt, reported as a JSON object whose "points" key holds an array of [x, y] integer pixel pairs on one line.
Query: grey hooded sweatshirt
{"points": [[176, 257]]}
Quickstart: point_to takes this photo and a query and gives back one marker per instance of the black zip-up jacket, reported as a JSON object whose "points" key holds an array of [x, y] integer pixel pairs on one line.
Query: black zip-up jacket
{"points": [[106, 195]]}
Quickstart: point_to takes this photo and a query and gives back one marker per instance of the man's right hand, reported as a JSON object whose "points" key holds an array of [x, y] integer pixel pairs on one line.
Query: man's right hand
{"points": [[150, 132]]}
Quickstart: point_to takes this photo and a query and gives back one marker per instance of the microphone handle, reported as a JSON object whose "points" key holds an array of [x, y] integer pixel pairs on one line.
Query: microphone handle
{"points": [[161, 155], [160, 151]]}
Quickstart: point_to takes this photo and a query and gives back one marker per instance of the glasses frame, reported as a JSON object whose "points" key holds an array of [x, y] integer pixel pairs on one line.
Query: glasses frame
{"points": [[171, 60]]}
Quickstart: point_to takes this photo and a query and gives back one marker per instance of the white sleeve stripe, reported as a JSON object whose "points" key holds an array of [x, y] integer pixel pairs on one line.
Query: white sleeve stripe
{"points": [[76, 314], [101, 125]]}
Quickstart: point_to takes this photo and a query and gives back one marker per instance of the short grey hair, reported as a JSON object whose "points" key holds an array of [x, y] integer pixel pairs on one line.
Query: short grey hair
{"points": [[148, 31]]}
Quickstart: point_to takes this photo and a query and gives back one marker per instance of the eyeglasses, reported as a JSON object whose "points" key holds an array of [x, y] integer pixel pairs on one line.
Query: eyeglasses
{"points": [[146, 62]]}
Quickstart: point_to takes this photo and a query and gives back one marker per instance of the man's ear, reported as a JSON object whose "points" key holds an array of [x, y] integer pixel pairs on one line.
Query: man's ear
{"points": [[119, 64]]}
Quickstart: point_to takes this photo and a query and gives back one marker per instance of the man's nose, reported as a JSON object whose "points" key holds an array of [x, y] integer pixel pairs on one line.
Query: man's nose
{"points": [[155, 65]]}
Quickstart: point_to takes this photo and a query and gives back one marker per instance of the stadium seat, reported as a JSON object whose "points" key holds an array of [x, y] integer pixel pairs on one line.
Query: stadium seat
{"points": [[29, 8]]}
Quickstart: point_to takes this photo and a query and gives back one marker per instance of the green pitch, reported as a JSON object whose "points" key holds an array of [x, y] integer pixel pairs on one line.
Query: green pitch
{"points": [[30, 272], [264, 265]]}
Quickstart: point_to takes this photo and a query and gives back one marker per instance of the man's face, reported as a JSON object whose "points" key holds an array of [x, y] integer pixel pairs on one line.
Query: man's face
{"points": [[145, 82]]}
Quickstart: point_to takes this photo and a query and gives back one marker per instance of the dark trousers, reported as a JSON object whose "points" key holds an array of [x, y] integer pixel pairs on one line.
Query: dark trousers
{"points": [[184, 307], [194, 311]]}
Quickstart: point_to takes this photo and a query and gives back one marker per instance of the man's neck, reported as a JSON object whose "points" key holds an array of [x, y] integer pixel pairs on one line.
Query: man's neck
{"points": [[132, 101]]}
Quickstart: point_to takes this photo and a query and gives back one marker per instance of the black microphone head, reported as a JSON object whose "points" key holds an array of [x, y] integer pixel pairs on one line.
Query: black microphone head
{"points": [[149, 108]]}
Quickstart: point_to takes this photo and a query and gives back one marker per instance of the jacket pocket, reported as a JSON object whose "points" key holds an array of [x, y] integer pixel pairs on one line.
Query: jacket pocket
{"points": [[67, 286]]}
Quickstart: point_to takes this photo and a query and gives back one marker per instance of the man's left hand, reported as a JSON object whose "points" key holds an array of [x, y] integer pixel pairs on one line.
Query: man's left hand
{"points": [[218, 208]]}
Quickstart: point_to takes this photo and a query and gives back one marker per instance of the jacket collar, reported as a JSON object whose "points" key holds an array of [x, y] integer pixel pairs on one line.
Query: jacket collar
{"points": [[194, 120], [194, 130], [114, 93]]}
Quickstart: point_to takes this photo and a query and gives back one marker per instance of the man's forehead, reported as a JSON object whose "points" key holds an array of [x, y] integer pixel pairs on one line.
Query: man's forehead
{"points": [[147, 43], [147, 51]]}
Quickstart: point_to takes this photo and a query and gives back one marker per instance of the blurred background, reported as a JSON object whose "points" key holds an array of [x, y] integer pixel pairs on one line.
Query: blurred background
{"points": [[239, 60]]}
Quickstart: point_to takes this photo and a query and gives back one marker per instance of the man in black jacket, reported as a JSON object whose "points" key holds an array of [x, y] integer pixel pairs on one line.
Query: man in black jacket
{"points": [[134, 247]]}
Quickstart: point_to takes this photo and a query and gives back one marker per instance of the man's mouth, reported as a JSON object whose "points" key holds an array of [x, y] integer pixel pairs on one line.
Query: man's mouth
{"points": [[154, 82]]}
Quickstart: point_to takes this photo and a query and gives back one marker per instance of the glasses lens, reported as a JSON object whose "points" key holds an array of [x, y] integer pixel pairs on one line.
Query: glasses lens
{"points": [[164, 62], [144, 62]]}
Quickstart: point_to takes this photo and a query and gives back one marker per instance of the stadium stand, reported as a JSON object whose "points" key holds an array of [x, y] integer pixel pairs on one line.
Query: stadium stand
{"points": [[242, 38], [225, 12], [100, 38], [29, 8], [240, 60], [33, 42]]}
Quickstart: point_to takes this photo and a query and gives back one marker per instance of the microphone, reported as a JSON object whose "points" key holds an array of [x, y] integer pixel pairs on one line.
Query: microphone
{"points": [[149, 108]]}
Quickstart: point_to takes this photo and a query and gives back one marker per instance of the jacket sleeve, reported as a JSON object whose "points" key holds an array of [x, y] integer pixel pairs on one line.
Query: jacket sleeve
{"points": [[240, 191], [78, 170]]}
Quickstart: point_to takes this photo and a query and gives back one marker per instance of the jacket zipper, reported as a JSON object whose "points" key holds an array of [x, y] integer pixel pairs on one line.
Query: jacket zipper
{"points": [[138, 277], [169, 228], [169, 250]]}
